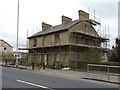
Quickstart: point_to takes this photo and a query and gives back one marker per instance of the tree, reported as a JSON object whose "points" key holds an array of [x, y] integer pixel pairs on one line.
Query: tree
{"points": [[115, 56], [93, 54], [7, 55], [118, 49]]}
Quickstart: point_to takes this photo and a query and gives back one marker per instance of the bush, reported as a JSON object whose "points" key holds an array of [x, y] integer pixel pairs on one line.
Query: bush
{"points": [[114, 57]]}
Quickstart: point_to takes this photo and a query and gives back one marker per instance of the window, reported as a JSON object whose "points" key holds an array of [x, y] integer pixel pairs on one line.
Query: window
{"points": [[86, 40], [57, 57], [94, 42], [15, 55], [4, 48], [57, 38], [43, 41], [34, 42], [85, 27], [77, 39]]}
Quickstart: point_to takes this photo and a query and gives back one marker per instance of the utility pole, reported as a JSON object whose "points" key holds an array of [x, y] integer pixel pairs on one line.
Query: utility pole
{"points": [[17, 34]]}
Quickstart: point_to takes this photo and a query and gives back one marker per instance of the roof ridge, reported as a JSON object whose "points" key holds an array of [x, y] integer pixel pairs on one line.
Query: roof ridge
{"points": [[56, 28], [6, 42]]}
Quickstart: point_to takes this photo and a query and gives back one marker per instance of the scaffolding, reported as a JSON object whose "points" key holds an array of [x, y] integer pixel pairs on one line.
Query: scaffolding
{"points": [[76, 40]]}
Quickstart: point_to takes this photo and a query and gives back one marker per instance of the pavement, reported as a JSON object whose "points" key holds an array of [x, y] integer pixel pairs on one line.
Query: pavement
{"points": [[76, 75]]}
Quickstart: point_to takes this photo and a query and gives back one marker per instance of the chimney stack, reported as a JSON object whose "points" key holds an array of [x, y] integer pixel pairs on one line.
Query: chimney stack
{"points": [[66, 19], [83, 15], [45, 26]]}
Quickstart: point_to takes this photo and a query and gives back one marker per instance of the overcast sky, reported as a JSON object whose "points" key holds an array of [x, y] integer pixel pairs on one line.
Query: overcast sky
{"points": [[34, 12]]}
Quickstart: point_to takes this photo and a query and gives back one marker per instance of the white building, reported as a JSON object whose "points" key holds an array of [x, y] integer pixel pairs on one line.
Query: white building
{"points": [[22, 55]]}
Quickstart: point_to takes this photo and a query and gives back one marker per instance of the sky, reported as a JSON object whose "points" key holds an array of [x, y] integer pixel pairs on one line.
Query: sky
{"points": [[33, 12]]}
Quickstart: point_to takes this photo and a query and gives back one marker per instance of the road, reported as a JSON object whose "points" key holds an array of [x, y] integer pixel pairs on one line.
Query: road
{"points": [[17, 78]]}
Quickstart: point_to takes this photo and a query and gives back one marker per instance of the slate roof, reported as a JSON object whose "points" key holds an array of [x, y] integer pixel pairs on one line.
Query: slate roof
{"points": [[6, 43], [57, 28]]}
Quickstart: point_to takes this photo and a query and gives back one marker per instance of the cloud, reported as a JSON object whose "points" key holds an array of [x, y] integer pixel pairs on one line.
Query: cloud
{"points": [[106, 9], [34, 12]]}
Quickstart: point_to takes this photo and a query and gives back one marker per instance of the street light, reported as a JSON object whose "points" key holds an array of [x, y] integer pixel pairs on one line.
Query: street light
{"points": [[17, 34]]}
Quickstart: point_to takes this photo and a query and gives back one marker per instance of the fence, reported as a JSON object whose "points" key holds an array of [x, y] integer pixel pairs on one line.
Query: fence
{"points": [[83, 64], [12, 61], [103, 72], [22, 63]]}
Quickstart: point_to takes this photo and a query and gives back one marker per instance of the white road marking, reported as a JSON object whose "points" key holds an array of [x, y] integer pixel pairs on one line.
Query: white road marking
{"points": [[34, 84], [60, 74]]}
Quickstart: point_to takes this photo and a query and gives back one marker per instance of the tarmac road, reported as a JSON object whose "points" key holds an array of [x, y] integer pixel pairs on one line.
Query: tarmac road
{"points": [[17, 78]]}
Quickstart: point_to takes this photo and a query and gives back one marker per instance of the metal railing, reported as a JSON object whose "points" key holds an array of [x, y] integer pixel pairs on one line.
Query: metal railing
{"points": [[108, 72]]}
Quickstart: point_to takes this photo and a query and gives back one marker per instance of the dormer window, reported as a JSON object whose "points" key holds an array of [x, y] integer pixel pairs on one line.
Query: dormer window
{"points": [[34, 42]]}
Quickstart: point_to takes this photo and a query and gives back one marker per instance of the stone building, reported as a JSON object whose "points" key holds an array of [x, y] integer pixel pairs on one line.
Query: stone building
{"points": [[5, 49], [65, 43]]}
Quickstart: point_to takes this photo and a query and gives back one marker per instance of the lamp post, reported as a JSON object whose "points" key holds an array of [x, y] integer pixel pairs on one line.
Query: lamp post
{"points": [[17, 34], [119, 20]]}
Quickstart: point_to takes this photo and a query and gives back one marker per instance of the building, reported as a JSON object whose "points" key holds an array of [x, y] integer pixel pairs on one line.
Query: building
{"points": [[64, 44], [22, 55], [5, 49]]}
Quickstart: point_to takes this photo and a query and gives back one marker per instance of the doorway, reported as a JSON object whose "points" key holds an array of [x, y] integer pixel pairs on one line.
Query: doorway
{"points": [[44, 58]]}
